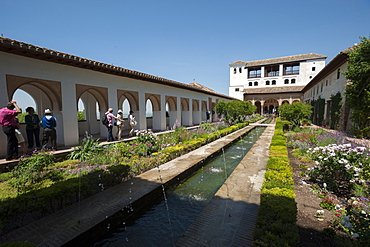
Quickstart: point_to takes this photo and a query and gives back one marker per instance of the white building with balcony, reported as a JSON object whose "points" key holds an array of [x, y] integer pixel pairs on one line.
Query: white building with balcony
{"points": [[274, 74]]}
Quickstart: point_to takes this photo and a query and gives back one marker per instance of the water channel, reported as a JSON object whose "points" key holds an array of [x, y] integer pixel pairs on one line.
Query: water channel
{"points": [[165, 222]]}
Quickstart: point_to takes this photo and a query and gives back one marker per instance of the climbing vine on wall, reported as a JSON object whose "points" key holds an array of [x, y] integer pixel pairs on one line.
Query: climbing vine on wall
{"points": [[335, 110], [320, 110], [313, 115]]}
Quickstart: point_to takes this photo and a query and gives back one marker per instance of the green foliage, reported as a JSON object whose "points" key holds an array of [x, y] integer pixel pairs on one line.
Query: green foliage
{"points": [[328, 204], [320, 111], [335, 109], [295, 112], [88, 148], [27, 175], [21, 117], [358, 91], [81, 115], [235, 110]]}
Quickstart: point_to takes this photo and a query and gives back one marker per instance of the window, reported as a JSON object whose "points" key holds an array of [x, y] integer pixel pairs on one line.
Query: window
{"points": [[254, 72], [338, 73], [273, 82], [256, 83], [272, 70], [286, 81], [236, 89], [292, 81], [240, 70], [291, 69], [234, 70], [313, 68], [250, 84], [326, 83], [267, 83]]}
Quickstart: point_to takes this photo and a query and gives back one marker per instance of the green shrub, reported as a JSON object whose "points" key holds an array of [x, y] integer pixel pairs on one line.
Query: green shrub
{"points": [[276, 222]]}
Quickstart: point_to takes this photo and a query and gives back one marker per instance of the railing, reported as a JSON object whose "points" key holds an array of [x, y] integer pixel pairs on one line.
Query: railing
{"points": [[291, 72]]}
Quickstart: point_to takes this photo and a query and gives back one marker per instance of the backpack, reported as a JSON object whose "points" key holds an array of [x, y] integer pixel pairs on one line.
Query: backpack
{"points": [[104, 120]]}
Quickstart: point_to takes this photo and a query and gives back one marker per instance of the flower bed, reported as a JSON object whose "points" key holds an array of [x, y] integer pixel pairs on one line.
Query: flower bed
{"points": [[340, 176]]}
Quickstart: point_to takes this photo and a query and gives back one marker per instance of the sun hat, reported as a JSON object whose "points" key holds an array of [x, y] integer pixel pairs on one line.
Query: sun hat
{"points": [[120, 111], [47, 111]]}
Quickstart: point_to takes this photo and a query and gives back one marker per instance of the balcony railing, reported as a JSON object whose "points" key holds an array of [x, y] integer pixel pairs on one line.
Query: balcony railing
{"points": [[292, 72]]}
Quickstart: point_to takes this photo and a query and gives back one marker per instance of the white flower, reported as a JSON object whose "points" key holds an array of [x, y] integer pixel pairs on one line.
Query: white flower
{"points": [[337, 207]]}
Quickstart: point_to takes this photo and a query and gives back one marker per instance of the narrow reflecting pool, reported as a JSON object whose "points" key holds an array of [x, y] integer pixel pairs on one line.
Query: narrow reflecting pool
{"points": [[167, 221]]}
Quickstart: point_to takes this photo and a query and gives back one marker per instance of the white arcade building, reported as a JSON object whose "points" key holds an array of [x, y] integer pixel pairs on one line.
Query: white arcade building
{"points": [[268, 83]]}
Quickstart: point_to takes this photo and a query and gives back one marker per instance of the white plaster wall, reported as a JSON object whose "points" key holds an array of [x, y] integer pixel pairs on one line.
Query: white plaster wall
{"points": [[330, 86]]}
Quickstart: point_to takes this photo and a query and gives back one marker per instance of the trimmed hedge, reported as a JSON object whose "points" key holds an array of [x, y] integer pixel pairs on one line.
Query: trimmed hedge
{"points": [[277, 215]]}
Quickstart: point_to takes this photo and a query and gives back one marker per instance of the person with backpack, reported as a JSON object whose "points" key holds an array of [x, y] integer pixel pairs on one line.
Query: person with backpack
{"points": [[107, 120]]}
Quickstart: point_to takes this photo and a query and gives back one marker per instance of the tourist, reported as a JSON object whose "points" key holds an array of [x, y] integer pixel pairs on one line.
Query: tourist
{"points": [[119, 124], [32, 128], [110, 118], [20, 137], [133, 122], [208, 115], [49, 122], [7, 120]]}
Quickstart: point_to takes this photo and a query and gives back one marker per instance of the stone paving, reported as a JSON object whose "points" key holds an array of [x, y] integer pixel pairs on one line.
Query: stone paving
{"points": [[228, 220]]}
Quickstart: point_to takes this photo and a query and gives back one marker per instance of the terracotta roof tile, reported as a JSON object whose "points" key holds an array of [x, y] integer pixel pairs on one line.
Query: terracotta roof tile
{"points": [[294, 58], [267, 90]]}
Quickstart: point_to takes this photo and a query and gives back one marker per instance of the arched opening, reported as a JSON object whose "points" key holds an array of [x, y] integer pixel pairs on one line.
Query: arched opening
{"points": [[126, 108], [185, 117], [36, 95], [153, 112], [270, 106], [196, 112], [148, 108], [81, 110], [204, 109], [149, 113], [88, 112], [258, 105], [171, 108], [24, 100]]}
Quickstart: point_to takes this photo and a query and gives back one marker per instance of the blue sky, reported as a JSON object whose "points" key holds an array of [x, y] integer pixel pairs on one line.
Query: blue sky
{"points": [[187, 40]]}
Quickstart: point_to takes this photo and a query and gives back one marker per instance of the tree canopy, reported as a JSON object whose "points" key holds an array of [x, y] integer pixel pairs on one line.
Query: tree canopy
{"points": [[358, 88], [235, 110], [295, 112]]}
